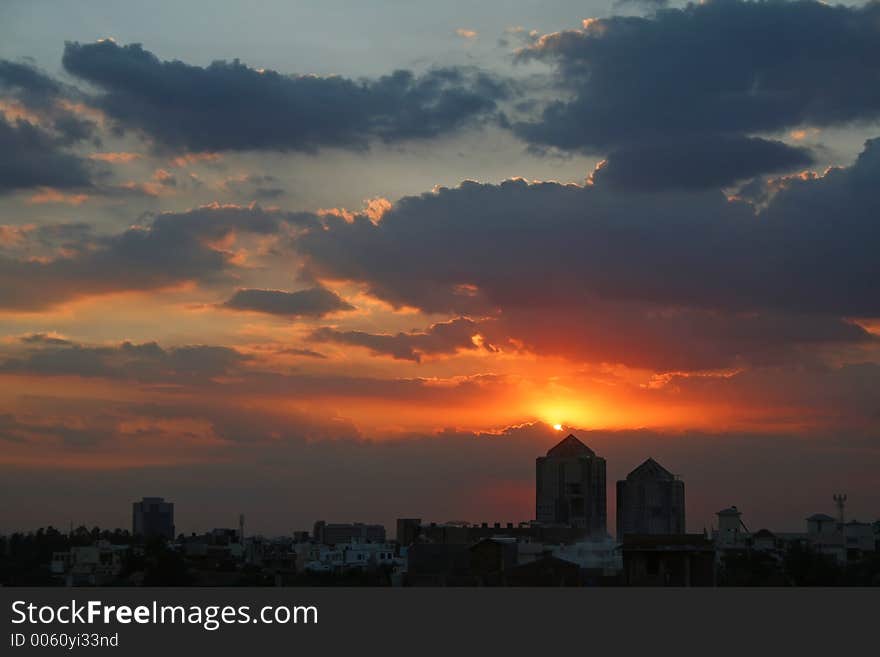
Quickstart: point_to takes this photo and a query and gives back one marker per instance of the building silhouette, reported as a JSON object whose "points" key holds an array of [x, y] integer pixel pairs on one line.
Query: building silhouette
{"points": [[650, 501], [153, 517], [333, 533], [668, 560], [570, 487], [732, 532]]}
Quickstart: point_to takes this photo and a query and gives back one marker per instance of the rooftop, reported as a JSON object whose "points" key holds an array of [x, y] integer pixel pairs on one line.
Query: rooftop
{"points": [[821, 517], [650, 469], [570, 446]]}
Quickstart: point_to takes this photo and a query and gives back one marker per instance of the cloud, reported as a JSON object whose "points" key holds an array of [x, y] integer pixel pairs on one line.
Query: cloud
{"points": [[53, 105], [34, 87], [684, 278], [805, 393], [32, 157], [648, 5], [689, 72], [253, 186], [308, 353], [60, 435], [479, 247], [116, 157], [314, 302], [146, 362], [173, 248], [443, 338], [711, 161], [38, 123], [229, 106], [48, 195], [666, 339], [215, 372]]}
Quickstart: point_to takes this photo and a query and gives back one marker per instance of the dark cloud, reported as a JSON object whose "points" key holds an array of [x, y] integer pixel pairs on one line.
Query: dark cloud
{"points": [[254, 186], [634, 334], [722, 67], [146, 362], [33, 148], [47, 99], [479, 247], [673, 339], [227, 373], [675, 271], [308, 353], [314, 302], [57, 434], [229, 106], [693, 162], [32, 157], [845, 396], [44, 339], [33, 87], [439, 339], [648, 5], [173, 248]]}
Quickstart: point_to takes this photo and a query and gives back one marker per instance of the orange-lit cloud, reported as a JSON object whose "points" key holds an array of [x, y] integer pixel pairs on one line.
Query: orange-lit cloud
{"points": [[51, 195], [116, 158], [188, 159]]}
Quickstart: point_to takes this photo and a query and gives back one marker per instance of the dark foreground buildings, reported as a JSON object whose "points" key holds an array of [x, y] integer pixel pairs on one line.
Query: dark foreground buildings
{"points": [[346, 532], [668, 560], [565, 545]]}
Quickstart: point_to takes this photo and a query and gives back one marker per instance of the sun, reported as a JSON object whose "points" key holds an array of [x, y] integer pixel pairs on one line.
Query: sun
{"points": [[558, 427]]}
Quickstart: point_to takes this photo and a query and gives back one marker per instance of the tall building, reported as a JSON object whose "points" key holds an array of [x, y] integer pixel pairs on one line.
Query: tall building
{"points": [[152, 517], [570, 487], [650, 501]]}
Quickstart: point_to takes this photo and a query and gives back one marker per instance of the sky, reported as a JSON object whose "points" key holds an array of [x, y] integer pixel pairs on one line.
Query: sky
{"points": [[354, 261]]}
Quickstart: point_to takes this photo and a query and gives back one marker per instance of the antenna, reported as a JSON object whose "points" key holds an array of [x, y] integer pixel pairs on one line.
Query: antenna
{"points": [[840, 501]]}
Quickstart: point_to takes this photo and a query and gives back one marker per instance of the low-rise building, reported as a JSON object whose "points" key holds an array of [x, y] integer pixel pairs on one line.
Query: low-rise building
{"points": [[89, 565], [333, 533], [672, 560], [343, 557], [732, 533]]}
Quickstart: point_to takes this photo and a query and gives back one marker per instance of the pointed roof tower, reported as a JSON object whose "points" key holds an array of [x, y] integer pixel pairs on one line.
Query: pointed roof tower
{"points": [[570, 447], [650, 469]]}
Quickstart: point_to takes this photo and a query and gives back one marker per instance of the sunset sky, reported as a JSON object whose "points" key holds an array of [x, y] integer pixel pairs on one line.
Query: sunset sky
{"points": [[352, 261]]}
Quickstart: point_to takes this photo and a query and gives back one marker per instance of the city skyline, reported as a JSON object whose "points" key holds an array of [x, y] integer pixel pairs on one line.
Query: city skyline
{"points": [[566, 543], [652, 507], [314, 260]]}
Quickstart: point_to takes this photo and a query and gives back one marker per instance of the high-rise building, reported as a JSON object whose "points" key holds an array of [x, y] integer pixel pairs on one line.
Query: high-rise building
{"points": [[570, 487], [153, 517], [650, 501]]}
